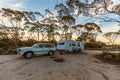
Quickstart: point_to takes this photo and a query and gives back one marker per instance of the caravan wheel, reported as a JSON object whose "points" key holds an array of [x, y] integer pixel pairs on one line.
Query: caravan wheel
{"points": [[79, 50]]}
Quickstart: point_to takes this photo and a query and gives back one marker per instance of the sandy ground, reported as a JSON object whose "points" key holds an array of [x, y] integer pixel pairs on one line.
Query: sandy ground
{"points": [[75, 67]]}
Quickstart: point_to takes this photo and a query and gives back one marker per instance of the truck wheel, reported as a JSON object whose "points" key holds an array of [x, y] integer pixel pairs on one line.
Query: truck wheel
{"points": [[28, 55], [50, 53]]}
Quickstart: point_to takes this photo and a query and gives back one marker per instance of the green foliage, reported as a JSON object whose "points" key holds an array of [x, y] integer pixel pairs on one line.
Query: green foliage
{"points": [[117, 56], [92, 27], [28, 42], [117, 9], [65, 19], [2, 44], [94, 45], [86, 6], [87, 32], [111, 36], [52, 41], [108, 57], [6, 43], [69, 19], [32, 16], [111, 56]]}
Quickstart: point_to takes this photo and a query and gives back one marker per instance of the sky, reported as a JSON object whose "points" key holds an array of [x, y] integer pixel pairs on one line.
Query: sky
{"points": [[41, 5]]}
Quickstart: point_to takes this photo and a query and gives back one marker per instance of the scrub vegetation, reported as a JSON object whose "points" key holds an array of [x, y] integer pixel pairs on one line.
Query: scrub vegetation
{"points": [[24, 28]]}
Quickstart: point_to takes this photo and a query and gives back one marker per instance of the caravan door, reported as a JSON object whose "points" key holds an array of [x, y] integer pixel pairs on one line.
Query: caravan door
{"points": [[82, 45], [71, 46]]}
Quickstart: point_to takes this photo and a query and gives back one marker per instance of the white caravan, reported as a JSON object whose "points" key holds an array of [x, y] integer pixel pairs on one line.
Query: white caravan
{"points": [[70, 45]]}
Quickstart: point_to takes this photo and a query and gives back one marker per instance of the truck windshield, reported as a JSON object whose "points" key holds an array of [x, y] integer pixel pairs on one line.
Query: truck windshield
{"points": [[34, 45]]}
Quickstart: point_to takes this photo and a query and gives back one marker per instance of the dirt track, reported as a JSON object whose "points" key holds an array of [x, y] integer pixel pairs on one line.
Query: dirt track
{"points": [[75, 67]]}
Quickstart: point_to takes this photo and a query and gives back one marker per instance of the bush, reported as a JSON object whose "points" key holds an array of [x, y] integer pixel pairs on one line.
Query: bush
{"points": [[7, 46], [117, 56], [111, 56], [28, 42], [94, 45], [108, 57], [2, 44]]}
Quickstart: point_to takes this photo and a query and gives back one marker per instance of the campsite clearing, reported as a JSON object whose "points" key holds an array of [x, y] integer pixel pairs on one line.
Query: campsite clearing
{"points": [[82, 66]]}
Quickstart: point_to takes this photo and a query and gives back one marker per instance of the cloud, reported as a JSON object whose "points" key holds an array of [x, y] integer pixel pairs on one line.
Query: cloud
{"points": [[13, 4], [110, 28]]}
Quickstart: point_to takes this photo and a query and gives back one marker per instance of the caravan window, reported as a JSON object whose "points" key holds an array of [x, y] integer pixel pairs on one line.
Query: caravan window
{"points": [[61, 43], [78, 44], [73, 44]]}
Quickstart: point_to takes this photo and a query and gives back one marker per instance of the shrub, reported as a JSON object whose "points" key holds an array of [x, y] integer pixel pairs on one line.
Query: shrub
{"points": [[2, 44], [29, 42], [111, 56], [117, 56], [108, 57], [94, 45]]}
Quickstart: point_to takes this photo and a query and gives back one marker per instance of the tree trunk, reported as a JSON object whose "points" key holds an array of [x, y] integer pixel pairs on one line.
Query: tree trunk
{"points": [[16, 38], [38, 35]]}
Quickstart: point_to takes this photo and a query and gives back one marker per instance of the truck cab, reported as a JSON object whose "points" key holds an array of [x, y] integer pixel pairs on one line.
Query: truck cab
{"points": [[38, 49]]}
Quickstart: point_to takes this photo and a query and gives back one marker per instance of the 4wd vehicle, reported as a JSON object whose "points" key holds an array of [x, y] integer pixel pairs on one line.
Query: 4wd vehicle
{"points": [[39, 49]]}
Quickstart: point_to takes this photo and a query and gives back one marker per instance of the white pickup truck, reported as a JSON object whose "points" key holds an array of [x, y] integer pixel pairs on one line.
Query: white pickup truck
{"points": [[39, 49]]}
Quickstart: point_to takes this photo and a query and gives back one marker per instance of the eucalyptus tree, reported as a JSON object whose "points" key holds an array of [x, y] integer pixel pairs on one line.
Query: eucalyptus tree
{"points": [[68, 21], [87, 31], [111, 37], [35, 27], [33, 21], [11, 21], [50, 27], [92, 27], [3, 33], [88, 37], [31, 32], [78, 29], [92, 8], [90, 31], [65, 18]]}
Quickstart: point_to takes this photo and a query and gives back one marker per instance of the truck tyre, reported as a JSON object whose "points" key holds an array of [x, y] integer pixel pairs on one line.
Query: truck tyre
{"points": [[28, 55], [50, 53]]}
